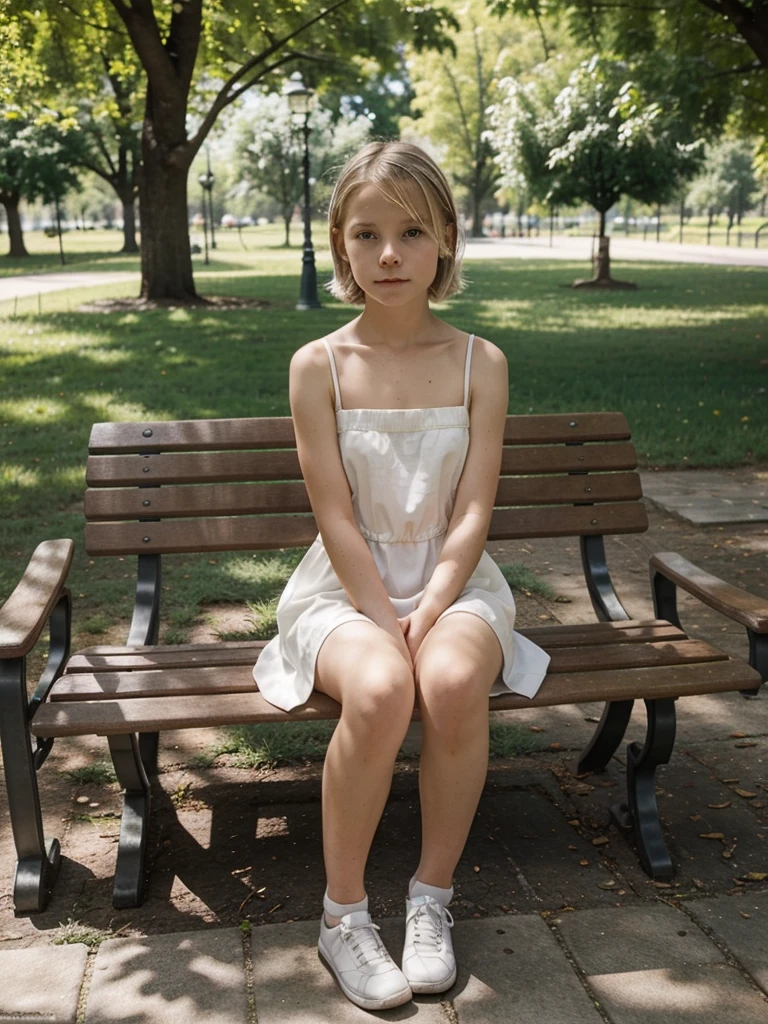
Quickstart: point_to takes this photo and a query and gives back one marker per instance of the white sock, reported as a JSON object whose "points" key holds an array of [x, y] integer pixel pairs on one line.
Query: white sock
{"points": [[334, 909], [417, 888]]}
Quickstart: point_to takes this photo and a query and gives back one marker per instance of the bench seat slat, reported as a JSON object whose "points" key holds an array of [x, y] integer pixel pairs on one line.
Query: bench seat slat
{"points": [[111, 504], [277, 432], [153, 714], [245, 652], [238, 678]]}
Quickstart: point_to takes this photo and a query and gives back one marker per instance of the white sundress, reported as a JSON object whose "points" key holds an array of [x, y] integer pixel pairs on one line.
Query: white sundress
{"points": [[403, 468]]}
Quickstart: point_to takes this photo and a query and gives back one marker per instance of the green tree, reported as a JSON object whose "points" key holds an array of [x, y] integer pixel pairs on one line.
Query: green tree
{"points": [[270, 150], [200, 58], [711, 54], [599, 140], [38, 159], [453, 91], [727, 183]]}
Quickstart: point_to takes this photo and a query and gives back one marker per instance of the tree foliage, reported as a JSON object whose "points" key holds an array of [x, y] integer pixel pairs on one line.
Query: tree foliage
{"points": [[270, 149], [727, 183]]}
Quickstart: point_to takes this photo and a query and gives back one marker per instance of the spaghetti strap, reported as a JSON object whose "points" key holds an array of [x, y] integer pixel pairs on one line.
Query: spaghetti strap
{"points": [[335, 376], [467, 368]]}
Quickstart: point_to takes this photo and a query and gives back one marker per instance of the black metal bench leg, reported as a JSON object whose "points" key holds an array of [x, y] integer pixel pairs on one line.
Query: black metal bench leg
{"points": [[130, 872], [148, 744], [641, 804], [606, 737], [39, 858]]}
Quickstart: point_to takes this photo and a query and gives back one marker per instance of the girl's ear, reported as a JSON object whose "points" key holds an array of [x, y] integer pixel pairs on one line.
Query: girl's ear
{"points": [[339, 244]]}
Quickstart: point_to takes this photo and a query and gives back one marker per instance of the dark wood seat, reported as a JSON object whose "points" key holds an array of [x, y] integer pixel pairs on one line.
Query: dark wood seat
{"points": [[156, 489]]}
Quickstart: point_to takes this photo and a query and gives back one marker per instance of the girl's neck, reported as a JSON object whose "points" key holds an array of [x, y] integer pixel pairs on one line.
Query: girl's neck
{"points": [[396, 327]]}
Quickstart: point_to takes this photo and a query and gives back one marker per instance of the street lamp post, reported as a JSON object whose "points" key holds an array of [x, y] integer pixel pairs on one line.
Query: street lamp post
{"points": [[206, 182], [299, 100]]}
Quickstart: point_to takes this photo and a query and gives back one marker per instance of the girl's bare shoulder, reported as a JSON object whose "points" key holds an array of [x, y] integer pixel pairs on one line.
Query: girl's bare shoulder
{"points": [[488, 354]]}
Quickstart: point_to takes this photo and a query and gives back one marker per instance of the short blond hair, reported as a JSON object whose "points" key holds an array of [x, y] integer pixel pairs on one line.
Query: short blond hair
{"points": [[391, 166]]}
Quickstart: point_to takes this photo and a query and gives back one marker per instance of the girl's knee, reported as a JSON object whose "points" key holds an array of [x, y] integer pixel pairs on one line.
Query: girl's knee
{"points": [[383, 694], [450, 692]]}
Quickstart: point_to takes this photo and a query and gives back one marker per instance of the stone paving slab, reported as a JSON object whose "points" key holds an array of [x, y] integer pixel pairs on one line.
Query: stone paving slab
{"points": [[632, 939], [689, 994], [512, 969], [741, 922], [41, 984], [704, 497], [170, 979], [293, 986]]}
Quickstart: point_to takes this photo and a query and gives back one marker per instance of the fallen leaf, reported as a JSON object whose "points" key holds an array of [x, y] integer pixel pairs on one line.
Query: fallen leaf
{"points": [[746, 743], [758, 803], [745, 793], [555, 746], [730, 782], [600, 841], [662, 885], [737, 735], [535, 728], [583, 862], [711, 835], [574, 821], [695, 817], [745, 914], [755, 876], [698, 883], [719, 807], [611, 884]]}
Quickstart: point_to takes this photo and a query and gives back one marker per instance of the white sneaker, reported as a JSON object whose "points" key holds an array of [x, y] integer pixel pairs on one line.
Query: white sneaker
{"points": [[367, 974], [428, 960]]}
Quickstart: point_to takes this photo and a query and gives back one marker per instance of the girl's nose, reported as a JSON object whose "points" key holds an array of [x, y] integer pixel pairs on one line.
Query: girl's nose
{"points": [[389, 255]]}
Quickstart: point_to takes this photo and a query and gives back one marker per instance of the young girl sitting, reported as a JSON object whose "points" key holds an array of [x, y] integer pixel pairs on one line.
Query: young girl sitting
{"points": [[399, 420]]}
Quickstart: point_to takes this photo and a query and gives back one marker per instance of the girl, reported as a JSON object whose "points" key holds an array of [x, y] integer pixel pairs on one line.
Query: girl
{"points": [[399, 420]]}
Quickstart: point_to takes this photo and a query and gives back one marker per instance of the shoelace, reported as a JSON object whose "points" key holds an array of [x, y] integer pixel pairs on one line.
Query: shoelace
{"points": [[431, 915], [364, 943]]}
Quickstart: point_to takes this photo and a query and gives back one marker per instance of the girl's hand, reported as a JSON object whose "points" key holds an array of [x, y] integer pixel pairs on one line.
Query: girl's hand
{"points": [[415, 627]]}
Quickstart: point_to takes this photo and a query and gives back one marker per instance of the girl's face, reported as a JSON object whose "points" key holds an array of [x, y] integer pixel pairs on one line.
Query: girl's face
{"points": [[391, 256]]}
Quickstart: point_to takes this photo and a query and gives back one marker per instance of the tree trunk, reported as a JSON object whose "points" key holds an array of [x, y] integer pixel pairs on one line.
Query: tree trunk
{"points": [[477, 222], [601, 264], [15, 234], [129, 223], [166, 260], [287, 221]]}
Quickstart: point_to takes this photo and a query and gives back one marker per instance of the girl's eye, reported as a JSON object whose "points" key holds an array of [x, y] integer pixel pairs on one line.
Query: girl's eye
{"points": [[361, 234], [413, 232]]}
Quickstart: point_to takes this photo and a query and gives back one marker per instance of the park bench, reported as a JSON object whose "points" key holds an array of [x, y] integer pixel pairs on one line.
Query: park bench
{"points": [[156, 489]]}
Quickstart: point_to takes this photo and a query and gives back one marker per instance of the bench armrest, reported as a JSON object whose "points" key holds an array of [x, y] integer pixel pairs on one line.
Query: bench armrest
{"points": [[731, 601], [29, 607]]}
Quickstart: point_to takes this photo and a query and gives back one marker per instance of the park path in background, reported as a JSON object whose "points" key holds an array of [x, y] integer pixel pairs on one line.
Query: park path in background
{"points": [[35, 284], [580, 249]]}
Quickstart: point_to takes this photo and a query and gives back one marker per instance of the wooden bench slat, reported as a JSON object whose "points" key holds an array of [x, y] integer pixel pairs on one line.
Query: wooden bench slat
{"points": [[238, 678], [277, 432], [245, 652], [255, 499], [573, 521], [262, 533], [245, 466], [153, 714]]}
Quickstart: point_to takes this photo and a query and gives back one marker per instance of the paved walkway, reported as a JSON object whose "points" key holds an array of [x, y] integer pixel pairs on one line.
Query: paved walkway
{"points": [[658, 964], [38, 284], [567, 248]]}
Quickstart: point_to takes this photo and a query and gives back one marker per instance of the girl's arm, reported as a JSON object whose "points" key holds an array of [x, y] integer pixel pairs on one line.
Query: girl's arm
{"points": [[468, 529], [312, 408]]}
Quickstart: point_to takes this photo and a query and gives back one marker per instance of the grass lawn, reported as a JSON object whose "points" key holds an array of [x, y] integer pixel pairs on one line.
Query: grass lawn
{"points": [[684, 357]]}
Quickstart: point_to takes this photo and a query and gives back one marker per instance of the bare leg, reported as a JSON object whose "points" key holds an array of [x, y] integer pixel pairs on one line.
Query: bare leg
{"points": [[360, 667], [455, 669]]}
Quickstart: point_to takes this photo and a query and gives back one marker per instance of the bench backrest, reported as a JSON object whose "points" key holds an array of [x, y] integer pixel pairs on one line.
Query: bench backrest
{"points": [[233, 485]]}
